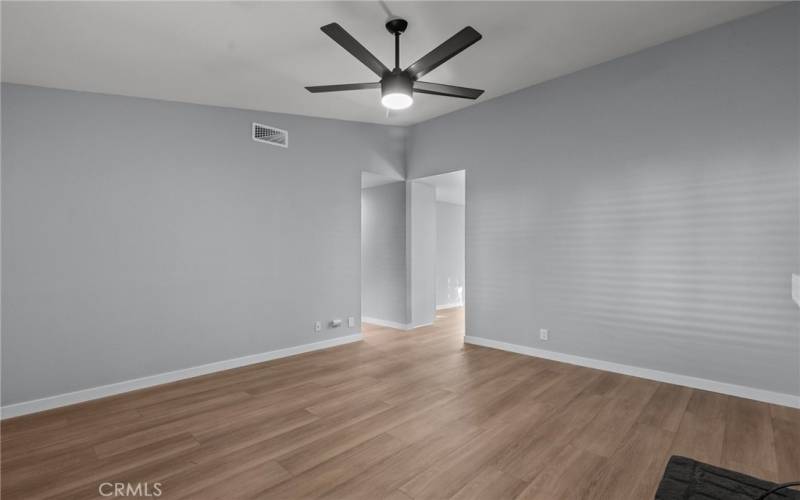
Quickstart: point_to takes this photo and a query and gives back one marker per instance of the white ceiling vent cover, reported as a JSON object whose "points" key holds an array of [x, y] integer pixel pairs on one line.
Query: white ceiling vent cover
{"points": [[270, 135]]}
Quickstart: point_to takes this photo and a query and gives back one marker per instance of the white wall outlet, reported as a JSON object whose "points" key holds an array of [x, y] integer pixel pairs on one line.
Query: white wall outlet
{"points": [[318, 326], [351, 322], [543, 334], [336, 323], [796, 288]]}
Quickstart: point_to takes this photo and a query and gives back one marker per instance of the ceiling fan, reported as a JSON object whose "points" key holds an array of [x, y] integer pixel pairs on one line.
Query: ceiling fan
{"points": [[398, 86]]}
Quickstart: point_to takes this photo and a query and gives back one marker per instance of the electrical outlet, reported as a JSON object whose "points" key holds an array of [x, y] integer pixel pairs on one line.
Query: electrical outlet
{"points": [[351, 322], [318, 326], [543, 334]]}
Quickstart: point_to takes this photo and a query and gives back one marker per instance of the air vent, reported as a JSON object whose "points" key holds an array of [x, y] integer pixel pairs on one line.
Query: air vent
{"points": [[270, 135]]}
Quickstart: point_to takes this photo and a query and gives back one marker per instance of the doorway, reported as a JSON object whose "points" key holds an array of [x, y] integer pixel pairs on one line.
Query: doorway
{"points": [[413, 239], [449, 252]]}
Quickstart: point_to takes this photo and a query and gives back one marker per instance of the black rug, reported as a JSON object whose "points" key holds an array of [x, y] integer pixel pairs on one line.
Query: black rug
{"points": [[687, 479]]}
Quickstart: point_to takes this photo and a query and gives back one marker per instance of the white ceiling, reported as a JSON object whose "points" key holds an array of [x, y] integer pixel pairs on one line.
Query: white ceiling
{"points": [[260, 55], [450, 187]]}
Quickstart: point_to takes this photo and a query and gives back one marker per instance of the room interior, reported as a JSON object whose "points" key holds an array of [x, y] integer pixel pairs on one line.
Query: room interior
{"points": [[246, 254]]}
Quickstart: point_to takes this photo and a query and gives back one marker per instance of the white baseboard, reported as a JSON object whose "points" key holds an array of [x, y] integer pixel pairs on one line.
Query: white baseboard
{"points": [[392, 324], [386, 323], [69, 398], [741, 391], [449, 306]]}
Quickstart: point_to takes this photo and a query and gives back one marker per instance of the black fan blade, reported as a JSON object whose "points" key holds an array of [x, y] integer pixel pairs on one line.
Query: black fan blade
{"points": [[451, 47], [351, 45], [446, 90], [344, 86]]}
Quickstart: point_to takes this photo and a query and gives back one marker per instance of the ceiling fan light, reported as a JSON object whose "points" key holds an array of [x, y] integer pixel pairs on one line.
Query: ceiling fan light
{"points": [[397, 100], [397, 90]]}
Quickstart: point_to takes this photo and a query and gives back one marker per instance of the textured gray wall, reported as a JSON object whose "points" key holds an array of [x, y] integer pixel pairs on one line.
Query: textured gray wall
{"points": [[421, 252], [449, 252], [383, 252], [143, 236], [644, 210]]}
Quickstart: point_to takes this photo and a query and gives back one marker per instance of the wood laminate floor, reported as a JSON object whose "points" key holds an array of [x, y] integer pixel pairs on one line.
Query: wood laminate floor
{"points": [[402, 415]]}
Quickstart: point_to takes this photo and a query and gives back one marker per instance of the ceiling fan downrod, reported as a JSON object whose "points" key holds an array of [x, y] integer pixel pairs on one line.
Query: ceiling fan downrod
{"points": [[396, 26]]}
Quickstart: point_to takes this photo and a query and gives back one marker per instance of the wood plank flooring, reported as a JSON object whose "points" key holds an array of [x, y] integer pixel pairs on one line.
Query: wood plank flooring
{"points": [[402, 415]]}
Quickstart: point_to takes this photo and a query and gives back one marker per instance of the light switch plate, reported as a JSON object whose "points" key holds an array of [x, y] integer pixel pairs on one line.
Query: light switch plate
{"points": [[796, 288]]}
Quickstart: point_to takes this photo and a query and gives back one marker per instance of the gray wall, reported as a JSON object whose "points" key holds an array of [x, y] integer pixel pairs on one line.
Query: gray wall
{"points": [[143, 236], [449, 252], [421, 252], [383, 252], [644, 210]]}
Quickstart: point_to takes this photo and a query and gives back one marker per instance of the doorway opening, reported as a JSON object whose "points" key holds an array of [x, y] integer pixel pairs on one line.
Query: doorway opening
{"points": [[413, 252], [449, 248]]}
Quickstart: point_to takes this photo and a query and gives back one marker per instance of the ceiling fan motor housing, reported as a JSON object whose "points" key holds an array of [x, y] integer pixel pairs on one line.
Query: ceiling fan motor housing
{"points": [[396, 82]]}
